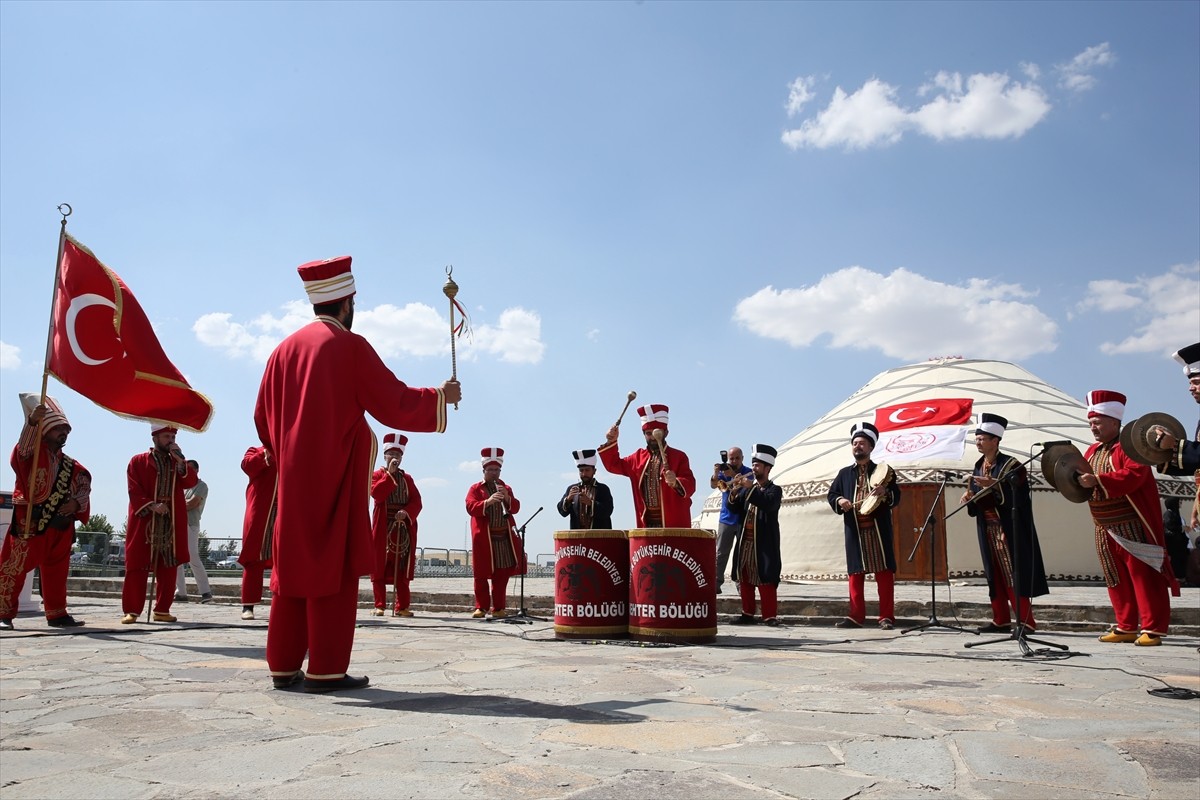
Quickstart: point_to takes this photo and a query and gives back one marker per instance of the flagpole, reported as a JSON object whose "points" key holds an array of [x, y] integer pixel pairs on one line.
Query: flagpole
{"points": [[37, 440]]}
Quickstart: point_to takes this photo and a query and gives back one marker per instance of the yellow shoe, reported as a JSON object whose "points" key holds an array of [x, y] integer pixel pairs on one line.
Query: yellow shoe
{"points": [[377, 612], [160, 616], [129, 619], [479, 614], [404, 612], [1116, 636], [499, 613], [1148, 640]]}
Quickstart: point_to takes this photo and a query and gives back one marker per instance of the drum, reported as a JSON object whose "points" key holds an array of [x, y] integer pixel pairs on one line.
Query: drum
{"points": [[673, 584], [591, 584], [882, 476]]}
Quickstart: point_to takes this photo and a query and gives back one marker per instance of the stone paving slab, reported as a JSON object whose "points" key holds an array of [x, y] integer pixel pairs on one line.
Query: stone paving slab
{"points": [[479, 709]]}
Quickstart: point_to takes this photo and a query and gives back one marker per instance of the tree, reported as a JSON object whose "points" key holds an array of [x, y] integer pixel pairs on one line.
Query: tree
{"points": [[94, 536]]}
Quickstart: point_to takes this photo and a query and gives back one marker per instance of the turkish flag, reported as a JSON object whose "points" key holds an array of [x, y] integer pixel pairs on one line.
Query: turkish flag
{"points": [[104, 347], [924, 413]]}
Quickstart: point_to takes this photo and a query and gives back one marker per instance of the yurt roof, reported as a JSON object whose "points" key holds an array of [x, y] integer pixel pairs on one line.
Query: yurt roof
{"points": [[1037, 412]]}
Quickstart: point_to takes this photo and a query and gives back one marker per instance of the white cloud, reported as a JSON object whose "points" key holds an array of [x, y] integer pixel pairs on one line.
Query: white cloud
{"points": [[904, 315], [254, 340], [593, 335], [1164, 308], [517, 338], [1031, 71], [991, 106], [416, 331], [10, 356], [799, 93], [432, 483], [470, 466], [1076, 75]]}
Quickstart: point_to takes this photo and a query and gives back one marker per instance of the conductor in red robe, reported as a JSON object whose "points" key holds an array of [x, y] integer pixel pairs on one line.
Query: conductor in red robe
{"points": [[662, 478], [156, 532], [1130, 539], [394, 528], [257, 525], [496, 552], [317, 387]]}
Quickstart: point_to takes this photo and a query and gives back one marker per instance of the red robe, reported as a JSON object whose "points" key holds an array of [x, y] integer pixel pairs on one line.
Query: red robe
{"points": [[677, 510], [1135, 482], [382, 485], [310, 414], [142, 476], [481, 538], [260, 498]]}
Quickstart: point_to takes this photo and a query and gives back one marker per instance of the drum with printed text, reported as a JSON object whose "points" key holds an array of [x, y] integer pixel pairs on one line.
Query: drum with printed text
{"points": [[673, 584], [591, 584]]}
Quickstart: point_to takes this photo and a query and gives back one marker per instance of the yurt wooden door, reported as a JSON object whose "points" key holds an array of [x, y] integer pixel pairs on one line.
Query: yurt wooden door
{"points": [[907, 519]]}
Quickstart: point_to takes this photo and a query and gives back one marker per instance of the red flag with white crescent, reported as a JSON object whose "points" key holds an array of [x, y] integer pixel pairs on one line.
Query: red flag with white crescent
{"points": [[104, 347], [923, 430]]}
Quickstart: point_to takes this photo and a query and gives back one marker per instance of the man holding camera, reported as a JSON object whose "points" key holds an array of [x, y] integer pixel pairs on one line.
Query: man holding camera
{"points": [[730, 522]]}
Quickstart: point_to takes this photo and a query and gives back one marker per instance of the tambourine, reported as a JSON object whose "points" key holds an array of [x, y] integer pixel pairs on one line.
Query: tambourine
{"points": [[882, 476]]}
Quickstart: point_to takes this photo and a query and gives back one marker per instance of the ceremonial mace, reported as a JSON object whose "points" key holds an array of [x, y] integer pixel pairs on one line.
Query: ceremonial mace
{"points": [[450, 289], [629, 398]]}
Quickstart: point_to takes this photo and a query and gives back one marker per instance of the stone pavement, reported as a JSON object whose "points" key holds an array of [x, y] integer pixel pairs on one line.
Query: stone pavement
{"points": [[481, 709]]}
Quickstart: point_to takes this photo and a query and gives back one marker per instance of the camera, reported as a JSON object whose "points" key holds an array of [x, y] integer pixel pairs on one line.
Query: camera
{"points": [[725, 460]]}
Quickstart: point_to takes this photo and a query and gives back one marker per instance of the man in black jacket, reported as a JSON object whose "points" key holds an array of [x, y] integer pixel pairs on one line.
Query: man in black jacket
{"points": [[588, 503]]}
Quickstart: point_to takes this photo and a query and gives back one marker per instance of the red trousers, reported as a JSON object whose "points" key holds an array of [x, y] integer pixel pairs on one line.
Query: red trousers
{"points": [[885, 583], [322, 627], [1141, 594], [252, 583], [403, 595], [52, 552], [133, 592], [499, 590], [1005, 606], [769, 595]]}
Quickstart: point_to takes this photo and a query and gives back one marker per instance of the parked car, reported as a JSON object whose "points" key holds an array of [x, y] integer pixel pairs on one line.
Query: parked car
{"points": [[229, 563], [79, 558]]}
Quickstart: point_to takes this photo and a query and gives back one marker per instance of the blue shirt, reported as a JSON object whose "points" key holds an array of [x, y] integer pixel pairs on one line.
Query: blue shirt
{"points": [[731, 517]]}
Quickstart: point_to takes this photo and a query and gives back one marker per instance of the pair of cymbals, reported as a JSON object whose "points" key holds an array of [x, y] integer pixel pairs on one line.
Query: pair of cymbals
{"points": [[1140, 441], [1062, 464]]}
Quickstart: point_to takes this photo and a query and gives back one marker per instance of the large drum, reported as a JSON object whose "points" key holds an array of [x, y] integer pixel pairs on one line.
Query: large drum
{"points": [[673, 584], [591, 584]]}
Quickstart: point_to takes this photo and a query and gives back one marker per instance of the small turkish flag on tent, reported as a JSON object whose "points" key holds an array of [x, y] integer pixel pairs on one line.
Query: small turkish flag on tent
{"points": [[922, 430], [104, 347]]}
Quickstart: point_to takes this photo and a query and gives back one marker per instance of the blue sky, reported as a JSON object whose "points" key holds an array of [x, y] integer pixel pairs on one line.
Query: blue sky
{"points": [[744, 211]]}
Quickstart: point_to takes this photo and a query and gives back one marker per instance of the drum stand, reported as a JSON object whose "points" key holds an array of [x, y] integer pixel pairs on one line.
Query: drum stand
{"points": [[523, 617], [1019, 628], [931, 526]]}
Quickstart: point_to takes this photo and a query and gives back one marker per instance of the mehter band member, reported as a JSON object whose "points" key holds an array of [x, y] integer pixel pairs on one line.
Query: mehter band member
{"points": [[869, 547], [1130, 540], [1003, 513], [257, 525], [317, 388], [156, 532], [661, 476], [756, 560], [394, 528], [61, 495], [496, 552], [588, 503]]}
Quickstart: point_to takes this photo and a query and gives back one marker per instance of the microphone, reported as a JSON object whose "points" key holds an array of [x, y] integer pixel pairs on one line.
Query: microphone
{"points": [[1052, 444]]}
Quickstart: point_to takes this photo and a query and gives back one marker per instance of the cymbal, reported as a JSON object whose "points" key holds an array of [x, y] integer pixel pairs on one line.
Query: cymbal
{"points": [[1066, 469], [1137, 439], [1050, 455]]}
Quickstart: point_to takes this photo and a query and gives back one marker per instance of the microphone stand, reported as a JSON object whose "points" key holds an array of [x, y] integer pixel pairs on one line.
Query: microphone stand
{"points": [[523, 617], [931, 526], [1019, 628]]}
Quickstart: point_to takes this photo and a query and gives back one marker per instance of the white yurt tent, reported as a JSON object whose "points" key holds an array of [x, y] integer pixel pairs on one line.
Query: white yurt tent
{"points": [[812, 540]]}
